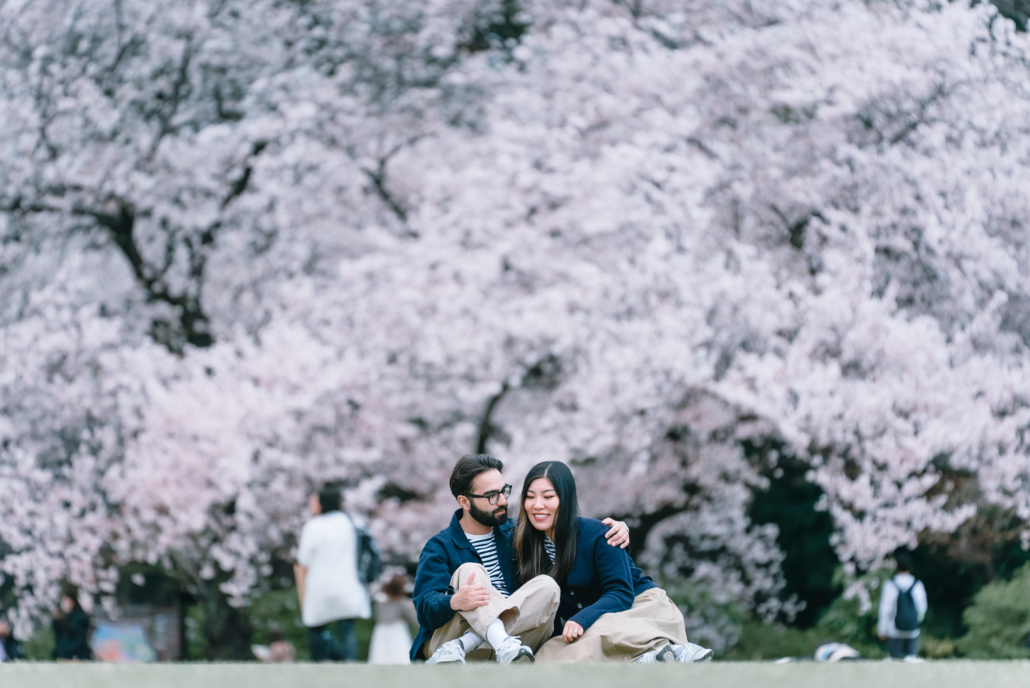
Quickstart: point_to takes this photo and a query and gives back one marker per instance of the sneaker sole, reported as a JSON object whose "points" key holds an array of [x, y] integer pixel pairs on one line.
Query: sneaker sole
{"points": [[525, 656], [665, 655], [705, 656]]}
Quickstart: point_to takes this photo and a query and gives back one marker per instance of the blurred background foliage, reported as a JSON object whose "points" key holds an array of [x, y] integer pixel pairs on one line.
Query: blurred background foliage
{"points": [[276, 610], [977, 582], [999, 620], [1016, 10]]}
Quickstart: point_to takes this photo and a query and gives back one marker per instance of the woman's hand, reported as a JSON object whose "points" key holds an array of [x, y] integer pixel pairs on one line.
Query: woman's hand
{"points": [[571, 631], [618, 536]]}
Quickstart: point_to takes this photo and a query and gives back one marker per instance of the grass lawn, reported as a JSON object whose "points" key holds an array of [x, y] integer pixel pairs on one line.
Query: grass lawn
{"points": [[944, 674]]}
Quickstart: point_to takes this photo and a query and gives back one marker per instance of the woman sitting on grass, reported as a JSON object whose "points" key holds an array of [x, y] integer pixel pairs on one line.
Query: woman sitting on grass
{"points": [[609, 610]]}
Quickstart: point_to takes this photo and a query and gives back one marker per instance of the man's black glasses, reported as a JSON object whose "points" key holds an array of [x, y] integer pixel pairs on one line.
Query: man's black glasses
{"points": [[494, 496]]}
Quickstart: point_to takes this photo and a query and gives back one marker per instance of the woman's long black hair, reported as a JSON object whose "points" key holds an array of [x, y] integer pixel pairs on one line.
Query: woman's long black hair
{"points": [[529, 542]]}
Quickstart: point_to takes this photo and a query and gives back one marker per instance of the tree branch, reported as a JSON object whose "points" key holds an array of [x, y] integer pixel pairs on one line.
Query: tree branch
{"points": [[378, 178], [194, 322], [486, 427]]}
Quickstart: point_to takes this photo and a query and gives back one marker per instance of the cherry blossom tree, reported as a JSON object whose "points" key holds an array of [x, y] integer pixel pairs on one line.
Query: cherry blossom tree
{"points": [[252, 247]]}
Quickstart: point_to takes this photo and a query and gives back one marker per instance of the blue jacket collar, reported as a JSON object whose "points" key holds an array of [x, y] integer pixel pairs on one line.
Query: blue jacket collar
{"points": [[458, 535]]}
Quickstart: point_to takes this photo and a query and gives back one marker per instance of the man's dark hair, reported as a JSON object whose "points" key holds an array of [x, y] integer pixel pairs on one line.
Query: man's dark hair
{"points": [[904, 561], [329, 500], [466, 470]]}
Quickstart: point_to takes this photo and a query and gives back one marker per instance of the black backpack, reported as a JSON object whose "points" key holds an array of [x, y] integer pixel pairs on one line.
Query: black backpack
{"points": [[906, 618], [370, 564]]}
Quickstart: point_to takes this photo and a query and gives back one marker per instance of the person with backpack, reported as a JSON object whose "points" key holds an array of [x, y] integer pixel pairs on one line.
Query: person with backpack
{"points": [[335, 557], [902, 608]]}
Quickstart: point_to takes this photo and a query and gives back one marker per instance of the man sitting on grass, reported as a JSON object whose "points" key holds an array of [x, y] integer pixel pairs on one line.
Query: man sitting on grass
{"points": [[467, 593]]}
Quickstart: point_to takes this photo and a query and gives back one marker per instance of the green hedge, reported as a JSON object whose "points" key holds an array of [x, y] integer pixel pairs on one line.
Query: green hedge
{"points": [[999, 620]]}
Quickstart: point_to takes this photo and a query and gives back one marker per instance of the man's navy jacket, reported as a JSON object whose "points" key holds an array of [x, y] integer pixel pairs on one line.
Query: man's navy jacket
{"points": [[440, 558]]}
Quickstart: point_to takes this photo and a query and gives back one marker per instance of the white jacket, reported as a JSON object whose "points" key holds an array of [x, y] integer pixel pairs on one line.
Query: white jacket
{"points": [[332, 590], [889, 605]]}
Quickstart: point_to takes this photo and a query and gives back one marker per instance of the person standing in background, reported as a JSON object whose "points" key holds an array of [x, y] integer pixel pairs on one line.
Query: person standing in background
{"points": [[327, 580], [902, 608], [10, 648], [391, 637], [71, 627]]}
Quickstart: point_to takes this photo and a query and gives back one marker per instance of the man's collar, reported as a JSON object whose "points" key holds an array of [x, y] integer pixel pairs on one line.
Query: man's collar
{"points": [[459, 536]]}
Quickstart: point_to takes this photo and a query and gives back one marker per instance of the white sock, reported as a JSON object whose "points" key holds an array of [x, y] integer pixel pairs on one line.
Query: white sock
{"points": [[496, 633], [470, 641]]}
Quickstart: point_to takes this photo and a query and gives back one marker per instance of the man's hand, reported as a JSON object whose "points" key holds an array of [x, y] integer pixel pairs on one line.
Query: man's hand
{"points": [[470, 596], [571, 631], [618, 536]]}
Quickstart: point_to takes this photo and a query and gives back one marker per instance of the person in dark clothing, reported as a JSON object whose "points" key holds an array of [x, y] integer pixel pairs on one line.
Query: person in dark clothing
{"points": [[10, 648], [71, 627]]}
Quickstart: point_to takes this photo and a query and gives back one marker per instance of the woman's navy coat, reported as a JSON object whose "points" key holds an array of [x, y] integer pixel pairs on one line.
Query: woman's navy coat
{"points": [[604, 579]]}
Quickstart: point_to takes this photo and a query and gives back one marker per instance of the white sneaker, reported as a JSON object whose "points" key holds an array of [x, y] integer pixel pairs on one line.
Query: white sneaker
{"points": [[662, 654], [691, 653], [647, 658], [512, 651], [451, 652]]}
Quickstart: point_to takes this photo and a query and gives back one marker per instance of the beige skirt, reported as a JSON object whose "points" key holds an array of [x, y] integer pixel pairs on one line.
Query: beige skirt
{"points": [[652, 622]]}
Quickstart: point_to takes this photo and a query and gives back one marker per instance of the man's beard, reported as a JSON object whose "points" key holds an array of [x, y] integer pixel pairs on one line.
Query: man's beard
{"points": [[498, 517]]}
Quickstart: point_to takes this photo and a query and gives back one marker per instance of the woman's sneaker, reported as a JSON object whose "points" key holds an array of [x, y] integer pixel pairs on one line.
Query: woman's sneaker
{"points": [[647, 658], [691, 653], [512, 651], [451, 652], [662, 654]]}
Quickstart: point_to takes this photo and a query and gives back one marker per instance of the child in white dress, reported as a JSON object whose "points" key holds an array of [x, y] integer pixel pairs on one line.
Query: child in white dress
{"points": [[391, 637]]}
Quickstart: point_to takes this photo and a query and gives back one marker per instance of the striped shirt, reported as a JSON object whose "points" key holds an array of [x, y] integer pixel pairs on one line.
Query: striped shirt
{"points": [[549, 548], [486, 548]]}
